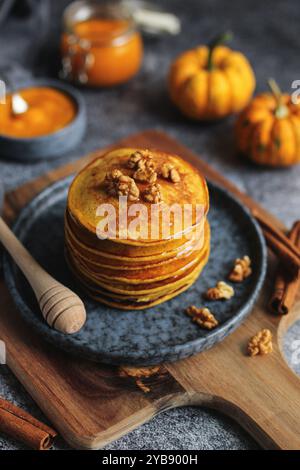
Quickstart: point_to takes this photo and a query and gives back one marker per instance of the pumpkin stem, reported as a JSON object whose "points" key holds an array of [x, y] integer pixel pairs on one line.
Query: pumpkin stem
{"points": [[281, 110], [221, 39]]}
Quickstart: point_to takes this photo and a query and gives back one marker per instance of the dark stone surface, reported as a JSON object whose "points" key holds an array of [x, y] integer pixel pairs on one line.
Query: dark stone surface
{"points": [[267, 32]]}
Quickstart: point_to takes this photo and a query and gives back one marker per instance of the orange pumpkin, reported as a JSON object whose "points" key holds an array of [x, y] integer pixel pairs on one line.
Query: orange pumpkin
{"points": [[268, 130], [211, 82]]}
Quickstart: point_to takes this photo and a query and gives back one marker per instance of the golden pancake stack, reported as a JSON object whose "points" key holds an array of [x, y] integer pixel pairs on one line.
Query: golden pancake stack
{"points": [[122, 244]]}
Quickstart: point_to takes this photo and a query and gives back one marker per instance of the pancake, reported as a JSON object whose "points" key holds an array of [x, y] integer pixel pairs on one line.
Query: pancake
{"points": [[88, 191], [144, 277], [128, 248], [136, 269], [146, 298], [158, 271], [104, 259]]}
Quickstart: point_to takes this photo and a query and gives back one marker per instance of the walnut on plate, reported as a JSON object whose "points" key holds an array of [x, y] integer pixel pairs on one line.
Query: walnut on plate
{"points": [[261, 343], [241, 270], [152, 193], [118, 184], [168, 171], [222, 291], [202, 316]]}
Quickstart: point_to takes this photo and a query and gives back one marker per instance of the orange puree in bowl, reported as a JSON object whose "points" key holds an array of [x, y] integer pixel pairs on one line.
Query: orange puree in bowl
{"points": [[112, 48], [49, 110]]}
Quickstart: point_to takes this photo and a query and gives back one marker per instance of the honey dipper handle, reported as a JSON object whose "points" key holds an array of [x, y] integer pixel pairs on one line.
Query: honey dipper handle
{"points": [[61, 307]]}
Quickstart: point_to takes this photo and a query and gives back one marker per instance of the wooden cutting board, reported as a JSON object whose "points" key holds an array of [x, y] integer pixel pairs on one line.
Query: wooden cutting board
{"points": [[92, 405]]}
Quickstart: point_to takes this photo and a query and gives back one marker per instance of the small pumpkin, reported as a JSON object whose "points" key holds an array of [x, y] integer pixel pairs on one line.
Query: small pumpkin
{"points": [[268, 130], [211, 82]]}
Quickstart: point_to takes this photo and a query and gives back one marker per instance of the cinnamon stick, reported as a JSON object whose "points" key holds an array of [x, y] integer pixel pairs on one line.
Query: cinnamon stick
{"points": [[281, 245], [286, 289], [23, 427], [278, 234]]}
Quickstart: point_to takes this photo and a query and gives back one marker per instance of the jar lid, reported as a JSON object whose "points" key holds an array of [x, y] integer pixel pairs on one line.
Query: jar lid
{"points": [[152, 19], [149, 18]]}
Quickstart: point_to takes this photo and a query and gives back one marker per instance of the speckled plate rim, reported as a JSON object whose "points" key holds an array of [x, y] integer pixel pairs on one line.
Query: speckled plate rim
{"points": [[181, 350]]}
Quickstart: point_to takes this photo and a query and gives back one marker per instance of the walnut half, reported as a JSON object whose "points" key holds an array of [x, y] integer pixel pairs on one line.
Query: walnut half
{"points": [[152, 194], [145, 174], [202, 316], [222, 291], [118, 184], [168, 171], [241, 270], [261, 343], [141, 161]]}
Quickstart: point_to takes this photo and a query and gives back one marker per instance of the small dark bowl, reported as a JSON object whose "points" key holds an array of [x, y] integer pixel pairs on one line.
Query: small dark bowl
{"points": [[50, 145]]}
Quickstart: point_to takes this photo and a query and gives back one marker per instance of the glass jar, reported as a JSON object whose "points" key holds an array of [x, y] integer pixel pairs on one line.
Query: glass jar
{"points": [[101, 45]]}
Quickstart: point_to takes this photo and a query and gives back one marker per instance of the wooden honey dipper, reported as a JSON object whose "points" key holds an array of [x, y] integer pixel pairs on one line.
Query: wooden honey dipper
{"points": [[62, 309]]}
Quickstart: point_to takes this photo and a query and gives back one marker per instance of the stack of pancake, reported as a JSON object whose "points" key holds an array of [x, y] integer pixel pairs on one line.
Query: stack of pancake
{"points": [[128, 269]]}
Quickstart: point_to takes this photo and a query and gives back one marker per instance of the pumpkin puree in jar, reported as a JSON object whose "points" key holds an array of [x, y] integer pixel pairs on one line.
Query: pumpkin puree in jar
{"points": [[49, 110], [115, 50]]}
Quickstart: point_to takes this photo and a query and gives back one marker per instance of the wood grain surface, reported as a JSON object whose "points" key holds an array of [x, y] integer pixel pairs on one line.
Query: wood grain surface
{"points": [[91, 405]]}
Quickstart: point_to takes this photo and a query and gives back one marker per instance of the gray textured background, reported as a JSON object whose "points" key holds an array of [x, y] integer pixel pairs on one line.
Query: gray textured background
{"points": [[267, 32]]}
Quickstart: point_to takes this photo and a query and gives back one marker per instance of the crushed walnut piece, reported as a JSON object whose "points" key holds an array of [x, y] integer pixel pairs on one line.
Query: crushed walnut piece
{"points": [[145, 173], [141, 161], [261, 343], [241, 270], [138, 374], [222, 291], [137, 156], [168, 171], [118, 184], [202, 316], [152, 194]]}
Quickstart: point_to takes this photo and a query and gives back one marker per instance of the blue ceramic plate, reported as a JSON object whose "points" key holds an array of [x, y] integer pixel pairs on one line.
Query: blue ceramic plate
{"points": [[159, 334]]}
